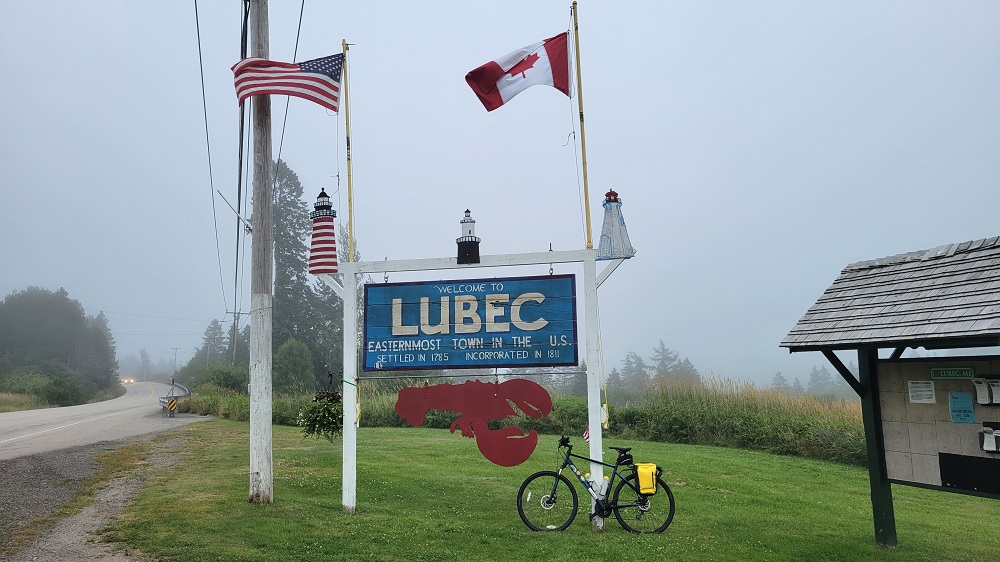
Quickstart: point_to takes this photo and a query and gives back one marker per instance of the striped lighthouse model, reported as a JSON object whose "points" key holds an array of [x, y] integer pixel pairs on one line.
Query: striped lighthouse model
{"points": [[323, 250]]}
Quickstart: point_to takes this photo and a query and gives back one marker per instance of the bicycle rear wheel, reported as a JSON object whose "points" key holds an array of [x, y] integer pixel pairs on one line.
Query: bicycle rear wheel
{"points": [[643, 514], [547, 502]]}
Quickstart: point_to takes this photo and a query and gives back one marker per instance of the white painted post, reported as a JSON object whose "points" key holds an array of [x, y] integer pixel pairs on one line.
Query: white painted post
{"points": [[594, 413], [349, 487], [261, 281]]}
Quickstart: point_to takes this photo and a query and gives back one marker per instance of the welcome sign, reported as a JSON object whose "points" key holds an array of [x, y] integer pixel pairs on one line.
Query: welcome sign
{"points": [[476, 323]]}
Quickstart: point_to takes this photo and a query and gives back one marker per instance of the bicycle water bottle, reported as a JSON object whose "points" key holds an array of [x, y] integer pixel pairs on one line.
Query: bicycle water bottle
{"points": [[604, 486]]}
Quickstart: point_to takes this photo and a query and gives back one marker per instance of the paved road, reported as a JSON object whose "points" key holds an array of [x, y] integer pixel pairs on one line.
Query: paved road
{"points": [[136, 412]]}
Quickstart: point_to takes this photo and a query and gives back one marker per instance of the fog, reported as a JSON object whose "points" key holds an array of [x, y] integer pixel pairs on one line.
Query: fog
{"points": [[758, 148]]}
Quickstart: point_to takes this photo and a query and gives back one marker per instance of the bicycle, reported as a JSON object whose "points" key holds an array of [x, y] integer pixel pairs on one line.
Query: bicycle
{"points": [[547, 501]]}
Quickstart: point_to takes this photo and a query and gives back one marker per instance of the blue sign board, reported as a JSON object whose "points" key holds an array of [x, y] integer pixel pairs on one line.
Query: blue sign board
{"points": [[467, 324], [960, 404]]}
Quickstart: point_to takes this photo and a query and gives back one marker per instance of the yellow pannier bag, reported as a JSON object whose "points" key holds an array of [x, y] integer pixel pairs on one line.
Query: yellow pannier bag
{"points": [[646, 472]]}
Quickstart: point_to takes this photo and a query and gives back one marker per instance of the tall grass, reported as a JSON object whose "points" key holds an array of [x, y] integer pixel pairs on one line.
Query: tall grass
{"points": [[210, 400], [738, 414], [718, 411], [11, 402]]}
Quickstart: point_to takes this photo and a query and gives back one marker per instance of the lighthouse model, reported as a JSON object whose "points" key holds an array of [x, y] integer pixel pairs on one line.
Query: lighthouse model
{"points": [[323, 250], [614, 237], [468, 242]]}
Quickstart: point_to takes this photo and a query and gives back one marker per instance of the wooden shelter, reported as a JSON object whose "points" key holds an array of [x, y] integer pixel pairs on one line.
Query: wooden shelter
{"points": [[945, 298]]}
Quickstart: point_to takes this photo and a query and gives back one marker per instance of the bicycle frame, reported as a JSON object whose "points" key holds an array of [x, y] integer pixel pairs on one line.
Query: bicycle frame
{"points": [[599, 498]]}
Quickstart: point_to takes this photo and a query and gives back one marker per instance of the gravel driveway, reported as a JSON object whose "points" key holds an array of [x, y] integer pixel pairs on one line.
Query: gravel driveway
{"points": [[37, 486]]}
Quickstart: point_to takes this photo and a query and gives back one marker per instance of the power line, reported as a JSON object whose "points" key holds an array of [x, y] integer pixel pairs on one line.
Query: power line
{"points": [[208, 148]]}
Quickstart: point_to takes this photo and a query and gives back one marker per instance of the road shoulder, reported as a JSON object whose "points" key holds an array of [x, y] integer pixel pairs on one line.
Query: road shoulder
{"points": [[41, 485]]}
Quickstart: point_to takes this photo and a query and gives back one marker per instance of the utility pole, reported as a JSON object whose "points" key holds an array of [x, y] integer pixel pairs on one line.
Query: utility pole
{"points": [[261, 278], [175, 359]]}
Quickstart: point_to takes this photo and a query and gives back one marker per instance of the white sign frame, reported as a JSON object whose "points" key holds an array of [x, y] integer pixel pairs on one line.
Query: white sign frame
{"points": [[352, 272]]}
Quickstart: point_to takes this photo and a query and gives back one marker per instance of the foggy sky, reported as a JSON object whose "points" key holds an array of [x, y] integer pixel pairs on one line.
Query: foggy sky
{"points": [[758, 148]]}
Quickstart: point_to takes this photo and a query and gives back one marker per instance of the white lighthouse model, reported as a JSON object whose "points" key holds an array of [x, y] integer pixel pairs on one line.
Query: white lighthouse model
{"points": [[614, 236], [468, 242]]}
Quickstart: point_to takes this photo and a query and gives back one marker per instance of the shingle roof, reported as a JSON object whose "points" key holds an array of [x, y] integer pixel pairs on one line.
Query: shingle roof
{"points": [[936, 296]]}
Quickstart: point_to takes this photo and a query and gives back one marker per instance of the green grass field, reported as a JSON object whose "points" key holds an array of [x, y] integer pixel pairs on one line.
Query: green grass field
{"points": [[426, 494]]}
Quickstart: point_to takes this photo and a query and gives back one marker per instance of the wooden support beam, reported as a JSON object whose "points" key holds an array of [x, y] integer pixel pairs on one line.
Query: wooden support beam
{"points": [[844, 371], [898, 352], [871, 413]]}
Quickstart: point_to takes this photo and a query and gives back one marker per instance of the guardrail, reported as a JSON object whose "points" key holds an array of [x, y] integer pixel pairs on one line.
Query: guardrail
{"points": [[169, 402]]}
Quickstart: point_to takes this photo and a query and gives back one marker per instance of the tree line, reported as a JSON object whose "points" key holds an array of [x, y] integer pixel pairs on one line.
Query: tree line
{"points": [[821, 382], [51, 349]]}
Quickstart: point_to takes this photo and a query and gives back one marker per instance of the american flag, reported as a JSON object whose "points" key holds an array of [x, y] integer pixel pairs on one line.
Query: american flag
{"points": [[586, 434], [316, 80]]}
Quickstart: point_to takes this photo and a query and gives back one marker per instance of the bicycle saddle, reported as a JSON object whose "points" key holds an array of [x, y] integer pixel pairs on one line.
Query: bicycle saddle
{"points": [[621, 450]]}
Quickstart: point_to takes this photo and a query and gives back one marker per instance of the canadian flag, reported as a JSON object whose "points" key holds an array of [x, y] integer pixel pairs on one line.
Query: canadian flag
{"points": [[545, 62]]}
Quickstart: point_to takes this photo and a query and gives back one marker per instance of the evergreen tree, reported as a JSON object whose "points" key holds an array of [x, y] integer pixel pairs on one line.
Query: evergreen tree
{"points": [[797, 389], [685, 371], [292, 372], [50, 347], [576, 379], [213, 352], [308, 312], [820, 381], [145, 365], [37, 325], [664, 363], [780, 383], [326, 316], [292, 294], [635, 372], [238, 345], [615, 382]]}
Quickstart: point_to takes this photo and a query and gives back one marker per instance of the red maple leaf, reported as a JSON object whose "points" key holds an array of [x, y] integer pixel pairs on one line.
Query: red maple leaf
{"points": [[524, 65]]}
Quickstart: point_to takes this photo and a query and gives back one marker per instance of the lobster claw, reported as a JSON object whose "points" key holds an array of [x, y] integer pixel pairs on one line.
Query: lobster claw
{"points": [[507, 446], [529, 397]]}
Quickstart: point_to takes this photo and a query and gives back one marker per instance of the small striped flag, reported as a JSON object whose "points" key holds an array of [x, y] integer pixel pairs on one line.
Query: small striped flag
{"points": [[586, 434]]}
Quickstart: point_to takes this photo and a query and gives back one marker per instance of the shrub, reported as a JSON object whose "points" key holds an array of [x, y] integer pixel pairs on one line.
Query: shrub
{"points": [[324, 417], [230, 377]]}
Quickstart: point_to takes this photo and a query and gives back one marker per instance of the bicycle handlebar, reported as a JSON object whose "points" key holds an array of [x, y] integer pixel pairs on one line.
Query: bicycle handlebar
{"points": [[563, 441]]}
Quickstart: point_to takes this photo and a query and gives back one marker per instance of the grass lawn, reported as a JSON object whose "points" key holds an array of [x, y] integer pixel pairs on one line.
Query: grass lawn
{"points": [[427, 494]]}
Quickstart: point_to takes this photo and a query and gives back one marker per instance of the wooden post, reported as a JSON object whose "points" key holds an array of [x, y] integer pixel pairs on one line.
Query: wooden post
{"points": [[344, 83], [583, 136], [871, 412], [261, 280]]}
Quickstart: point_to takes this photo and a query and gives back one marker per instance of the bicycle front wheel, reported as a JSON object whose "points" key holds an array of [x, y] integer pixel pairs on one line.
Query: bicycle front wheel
{"points": [[547, 502], [643, 514]]}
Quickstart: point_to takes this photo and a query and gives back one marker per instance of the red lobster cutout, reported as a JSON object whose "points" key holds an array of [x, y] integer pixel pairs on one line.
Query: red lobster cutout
{"points": [[480, 402]]}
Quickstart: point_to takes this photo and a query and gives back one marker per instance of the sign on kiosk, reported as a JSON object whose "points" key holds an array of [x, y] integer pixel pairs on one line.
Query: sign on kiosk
{"points": [[477, 323]]}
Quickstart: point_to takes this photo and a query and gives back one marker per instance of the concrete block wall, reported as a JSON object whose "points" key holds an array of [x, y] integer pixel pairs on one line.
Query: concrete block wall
{"points": [[914, 434]]}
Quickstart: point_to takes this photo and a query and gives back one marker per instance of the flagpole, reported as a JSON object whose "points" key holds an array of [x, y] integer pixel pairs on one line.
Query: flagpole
{"points": [[350, 182], [583, 136]]}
